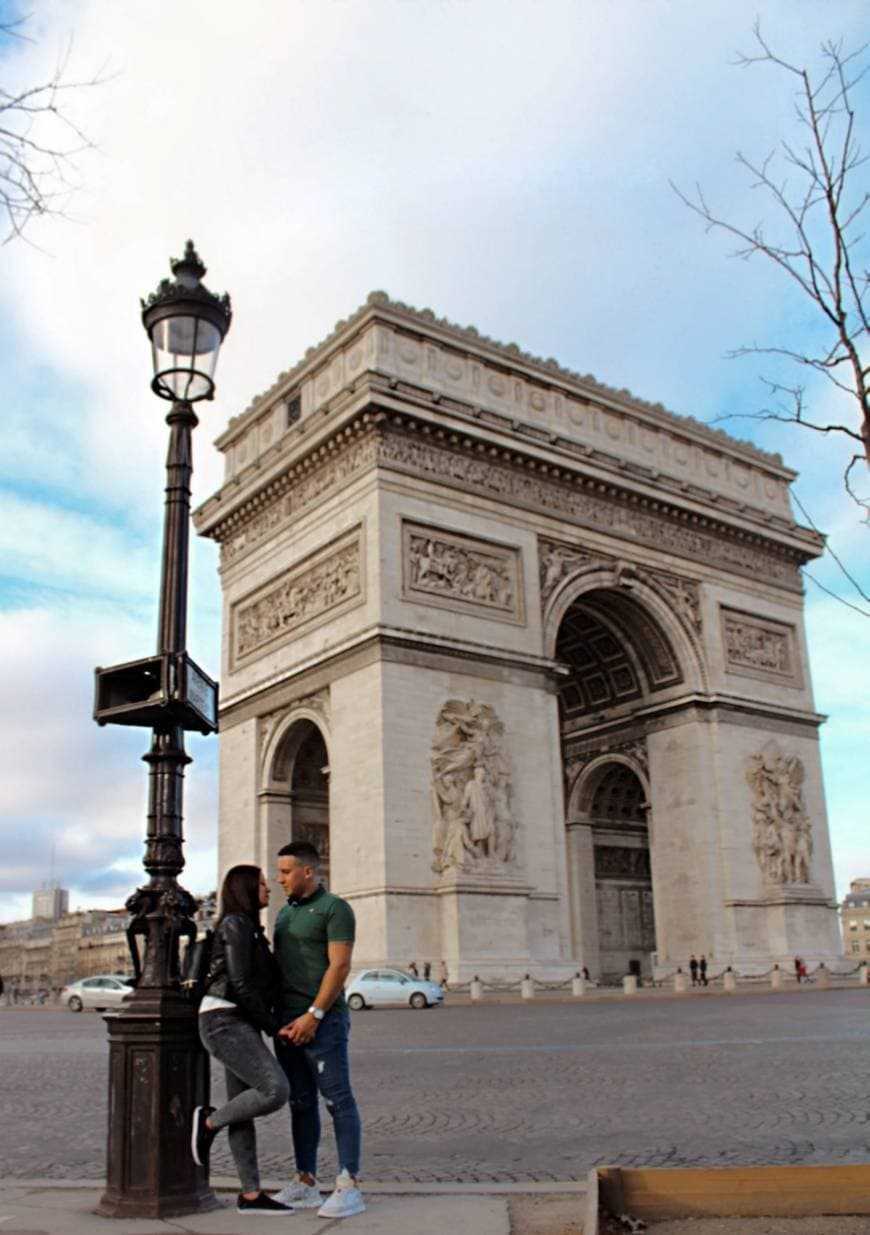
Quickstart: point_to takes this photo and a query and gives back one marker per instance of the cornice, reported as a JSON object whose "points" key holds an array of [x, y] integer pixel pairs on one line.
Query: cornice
{"points": [[379, 306], [574, 490]]}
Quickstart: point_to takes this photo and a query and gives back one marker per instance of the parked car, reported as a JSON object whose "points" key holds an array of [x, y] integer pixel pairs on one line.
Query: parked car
{"points": [[376, 987], [103, 990]]}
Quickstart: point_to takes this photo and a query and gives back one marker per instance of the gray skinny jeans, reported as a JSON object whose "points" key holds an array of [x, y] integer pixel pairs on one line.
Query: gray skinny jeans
{"points": [[256, 1085]]}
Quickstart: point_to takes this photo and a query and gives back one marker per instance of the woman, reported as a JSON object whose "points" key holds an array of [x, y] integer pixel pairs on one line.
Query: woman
{"points": [[234, 1013]]}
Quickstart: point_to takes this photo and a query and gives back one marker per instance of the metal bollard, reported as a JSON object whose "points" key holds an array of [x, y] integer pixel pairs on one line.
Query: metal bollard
{"points": [[527, 989], [629, 984], [476, 989], [679, 982], [729, 979], [578, 986]]}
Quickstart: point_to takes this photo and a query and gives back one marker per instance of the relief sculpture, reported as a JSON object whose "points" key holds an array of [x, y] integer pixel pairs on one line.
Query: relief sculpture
{"points": [[302, 596], [471, 788], [757, 646], [471, 573], [781, 829]]}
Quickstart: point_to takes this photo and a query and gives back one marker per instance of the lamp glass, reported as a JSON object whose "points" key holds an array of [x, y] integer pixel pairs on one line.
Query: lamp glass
{"points": [[185, 350]]}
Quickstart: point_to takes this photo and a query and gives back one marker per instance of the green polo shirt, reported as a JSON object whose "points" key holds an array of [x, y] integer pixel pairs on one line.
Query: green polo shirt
{"points": [[303, 930]]}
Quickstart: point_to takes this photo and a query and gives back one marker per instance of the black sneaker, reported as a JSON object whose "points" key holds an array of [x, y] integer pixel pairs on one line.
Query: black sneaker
{"points": [[261, 1204], [201, 1136]]}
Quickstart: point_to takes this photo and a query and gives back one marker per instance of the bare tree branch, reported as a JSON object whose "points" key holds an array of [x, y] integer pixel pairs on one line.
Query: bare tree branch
{"points": [[39, 145], [817, 202]]}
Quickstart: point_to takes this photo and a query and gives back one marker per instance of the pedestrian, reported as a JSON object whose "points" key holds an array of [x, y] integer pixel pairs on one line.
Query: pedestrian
{"points": [[798, 965], [427, 970], [702, 970], [803, 976], [1, 986], [314, 936], [235, 1011], [413, 970], [442, 974], [693, 969], [585, 973]]}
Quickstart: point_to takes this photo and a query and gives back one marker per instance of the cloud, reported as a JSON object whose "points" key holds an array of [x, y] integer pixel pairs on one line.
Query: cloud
{"points": [[505, 164]]}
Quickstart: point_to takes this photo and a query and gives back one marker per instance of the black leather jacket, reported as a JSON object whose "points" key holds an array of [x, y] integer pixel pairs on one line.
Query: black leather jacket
{"points": [[243, 970]]}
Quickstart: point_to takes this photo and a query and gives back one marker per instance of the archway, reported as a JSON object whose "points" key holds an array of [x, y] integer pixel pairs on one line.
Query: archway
{"points": [[616, 811], [617, 659], [299, 790]]}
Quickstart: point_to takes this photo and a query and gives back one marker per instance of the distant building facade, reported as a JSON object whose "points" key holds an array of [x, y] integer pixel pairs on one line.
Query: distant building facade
{"points": [[855, 920], [50, 902], [524, 656]]}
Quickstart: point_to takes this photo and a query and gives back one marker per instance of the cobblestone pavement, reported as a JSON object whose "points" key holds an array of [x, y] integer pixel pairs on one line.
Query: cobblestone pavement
{"points": [[513, 1092]]}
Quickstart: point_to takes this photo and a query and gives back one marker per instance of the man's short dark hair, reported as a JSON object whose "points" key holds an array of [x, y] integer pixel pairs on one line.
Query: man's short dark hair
{"points": [[303, 851]]}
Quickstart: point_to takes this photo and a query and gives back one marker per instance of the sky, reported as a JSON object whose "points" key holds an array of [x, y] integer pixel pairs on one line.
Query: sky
{"points": [[506, 163]]}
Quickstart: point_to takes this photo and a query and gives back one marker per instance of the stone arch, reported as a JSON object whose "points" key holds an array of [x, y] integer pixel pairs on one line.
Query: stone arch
{"points": [[635, 601], [294, 796], [610, 871], [582, 788]]}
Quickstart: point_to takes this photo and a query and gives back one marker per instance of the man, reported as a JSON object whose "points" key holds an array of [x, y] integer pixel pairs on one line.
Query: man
{"points": [[693, 969], [702, 970], [314, 937]]}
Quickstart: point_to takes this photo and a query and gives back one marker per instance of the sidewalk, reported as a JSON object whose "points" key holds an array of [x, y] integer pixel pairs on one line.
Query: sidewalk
{"points": [[55, 1207]]}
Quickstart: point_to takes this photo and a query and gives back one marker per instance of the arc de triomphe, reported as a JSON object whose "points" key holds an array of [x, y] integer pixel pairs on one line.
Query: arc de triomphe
{"points": [[524, 655]]}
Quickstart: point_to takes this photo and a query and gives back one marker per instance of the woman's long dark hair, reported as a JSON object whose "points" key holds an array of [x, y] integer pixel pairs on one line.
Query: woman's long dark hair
{"points": [[241, 893]]}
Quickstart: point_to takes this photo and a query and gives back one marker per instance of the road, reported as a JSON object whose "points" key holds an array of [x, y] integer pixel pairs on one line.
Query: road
{"points": [[513, 1092]]}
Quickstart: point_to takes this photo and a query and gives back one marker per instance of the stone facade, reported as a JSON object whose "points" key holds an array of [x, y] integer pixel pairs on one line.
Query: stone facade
{"points": [[526, 653]]}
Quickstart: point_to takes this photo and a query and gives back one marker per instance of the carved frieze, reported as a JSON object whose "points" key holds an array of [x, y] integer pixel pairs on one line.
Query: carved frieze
{"points": [[611, 512], [326, 583], [297, 493], [471, 468], [471, 789], [462, 572], [781, 828], [759, 647]]}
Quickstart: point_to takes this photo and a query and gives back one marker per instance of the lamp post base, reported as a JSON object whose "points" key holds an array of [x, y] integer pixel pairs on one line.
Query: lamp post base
{"points": [[158, 1073]]}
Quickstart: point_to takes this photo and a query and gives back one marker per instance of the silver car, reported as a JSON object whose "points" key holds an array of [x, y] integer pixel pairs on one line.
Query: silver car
{"points": [[103, 990], [374, 988]]}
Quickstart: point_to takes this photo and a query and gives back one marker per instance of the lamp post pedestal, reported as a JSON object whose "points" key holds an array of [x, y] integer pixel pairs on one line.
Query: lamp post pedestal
{"points": [[158, 1072]]}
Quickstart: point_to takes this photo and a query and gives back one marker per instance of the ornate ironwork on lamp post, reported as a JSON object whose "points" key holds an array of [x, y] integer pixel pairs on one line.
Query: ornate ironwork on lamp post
{"points": [[157, 1069]]}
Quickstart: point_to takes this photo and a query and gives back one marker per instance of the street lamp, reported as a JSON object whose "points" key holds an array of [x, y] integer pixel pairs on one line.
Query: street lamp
{"points": [[157, 1068]]}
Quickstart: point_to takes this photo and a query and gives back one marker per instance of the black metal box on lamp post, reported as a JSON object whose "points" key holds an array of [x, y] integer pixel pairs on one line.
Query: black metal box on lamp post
{"points": [[157, 1068]]}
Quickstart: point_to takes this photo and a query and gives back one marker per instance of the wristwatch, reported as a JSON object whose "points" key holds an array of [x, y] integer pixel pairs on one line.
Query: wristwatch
{"points": [[317, 1013]]}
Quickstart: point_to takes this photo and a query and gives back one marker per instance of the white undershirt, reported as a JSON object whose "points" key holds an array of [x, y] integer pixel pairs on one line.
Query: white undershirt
{"points": [[211, 1003]]}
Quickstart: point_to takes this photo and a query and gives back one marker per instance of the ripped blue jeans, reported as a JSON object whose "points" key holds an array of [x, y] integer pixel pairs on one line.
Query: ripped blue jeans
{"points": [[321, 1068]]}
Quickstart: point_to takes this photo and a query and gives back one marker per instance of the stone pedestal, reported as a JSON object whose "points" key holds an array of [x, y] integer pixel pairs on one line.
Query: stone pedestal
{"points": [[158, 1065], [864, 975], [476, 990], [527, 988], [578, 987], [679, 983], [629, 984], [776, 979], [729, 980], [483, 921], [823, 977]]}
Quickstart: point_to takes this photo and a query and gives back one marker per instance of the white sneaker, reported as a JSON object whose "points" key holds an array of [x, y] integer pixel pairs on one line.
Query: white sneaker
{"points": [[345, 1200], [300, 1195]]}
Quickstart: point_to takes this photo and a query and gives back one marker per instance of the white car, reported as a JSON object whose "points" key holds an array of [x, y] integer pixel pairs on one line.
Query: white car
{"points": [[374, 988], [103, 990]]}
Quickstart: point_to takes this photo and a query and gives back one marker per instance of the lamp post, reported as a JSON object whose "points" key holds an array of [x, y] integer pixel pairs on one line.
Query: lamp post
{"points": [[157, 1068]]}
